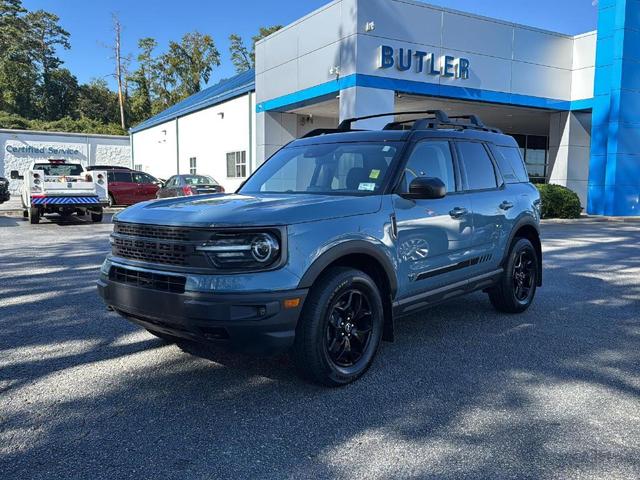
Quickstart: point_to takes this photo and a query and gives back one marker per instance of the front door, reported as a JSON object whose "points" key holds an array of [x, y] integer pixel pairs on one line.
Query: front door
{"points": [[433, 236], [147, 186]]}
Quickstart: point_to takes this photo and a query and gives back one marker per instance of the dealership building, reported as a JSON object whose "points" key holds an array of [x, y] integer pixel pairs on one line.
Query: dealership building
{"points": [[568, 100], [20, 148]]}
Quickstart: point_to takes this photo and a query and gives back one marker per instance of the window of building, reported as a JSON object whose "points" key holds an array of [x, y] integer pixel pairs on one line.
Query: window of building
{"points": [[479, 169], [137, 166], [192, 165], [534, 150], [237, 164]]}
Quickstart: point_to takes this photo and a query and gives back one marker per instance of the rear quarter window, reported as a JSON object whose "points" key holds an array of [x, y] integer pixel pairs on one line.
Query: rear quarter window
{"points": [[511, 164]]}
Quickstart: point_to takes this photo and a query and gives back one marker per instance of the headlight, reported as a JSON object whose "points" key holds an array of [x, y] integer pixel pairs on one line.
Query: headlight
{"points": [[243, 251]]}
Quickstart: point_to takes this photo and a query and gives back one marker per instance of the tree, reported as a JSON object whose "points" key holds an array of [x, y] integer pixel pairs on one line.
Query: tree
{"points": [[242, 58], [240, 54], [192, 61], [97, 102], [45, 35], [120, 68], [18, 75], [144, 80]]}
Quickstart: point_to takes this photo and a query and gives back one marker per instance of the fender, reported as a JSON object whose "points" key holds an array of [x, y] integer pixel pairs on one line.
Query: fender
{"points": [[350, 247], [525, 220]]}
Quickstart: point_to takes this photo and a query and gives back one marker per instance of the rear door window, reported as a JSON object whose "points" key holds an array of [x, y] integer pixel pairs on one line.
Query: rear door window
{"points": [[478, 167], [122, 177], [511, 164]]}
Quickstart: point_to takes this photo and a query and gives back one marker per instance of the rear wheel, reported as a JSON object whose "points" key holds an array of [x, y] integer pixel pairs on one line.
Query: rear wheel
{"points": [[96, 216], [340, 329], [515, 291], [112, 201], [34, 215]]}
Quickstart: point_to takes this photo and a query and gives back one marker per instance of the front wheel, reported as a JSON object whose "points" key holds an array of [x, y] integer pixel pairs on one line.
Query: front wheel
{"points": [[515, 291], [340, 329]]}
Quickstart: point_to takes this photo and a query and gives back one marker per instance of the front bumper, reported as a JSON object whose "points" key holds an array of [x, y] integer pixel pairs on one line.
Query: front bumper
{"points": [[251, 322]]}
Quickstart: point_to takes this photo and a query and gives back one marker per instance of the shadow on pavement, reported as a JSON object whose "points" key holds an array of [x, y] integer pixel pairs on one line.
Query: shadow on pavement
{"points": [[464, 392]]}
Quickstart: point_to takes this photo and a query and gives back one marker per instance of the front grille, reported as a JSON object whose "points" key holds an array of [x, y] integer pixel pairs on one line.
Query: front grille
{"points": [[153, 281], [142, 250], [151, 231]]}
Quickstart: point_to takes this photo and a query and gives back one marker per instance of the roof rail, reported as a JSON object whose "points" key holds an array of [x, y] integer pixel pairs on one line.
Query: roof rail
{"points": [[439, 115], [438, 120]]}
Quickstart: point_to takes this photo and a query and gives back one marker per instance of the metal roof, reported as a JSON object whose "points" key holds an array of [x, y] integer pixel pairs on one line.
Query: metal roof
{"points": [[221, 92]]}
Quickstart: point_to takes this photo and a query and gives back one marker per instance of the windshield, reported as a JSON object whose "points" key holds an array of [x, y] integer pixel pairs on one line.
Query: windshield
{"points": [[59, 169], [332, 168], [199, 180]]}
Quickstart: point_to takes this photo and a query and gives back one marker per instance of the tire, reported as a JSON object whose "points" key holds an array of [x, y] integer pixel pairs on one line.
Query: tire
{"points": [[96, 217], [34, 215], [25, 213], [327, 350], [112, 201], [517, 287]]}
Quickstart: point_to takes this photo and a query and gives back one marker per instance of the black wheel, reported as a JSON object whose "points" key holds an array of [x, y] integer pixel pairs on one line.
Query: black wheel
{"points": [[96, 216], [517, 287], [340, 328], [34, 215], [112, 201], [25, 213], [164, 336]]}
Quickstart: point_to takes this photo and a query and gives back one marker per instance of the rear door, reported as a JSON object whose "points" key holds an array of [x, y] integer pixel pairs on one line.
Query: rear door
{"points": [[434, 237], [484, 186]]}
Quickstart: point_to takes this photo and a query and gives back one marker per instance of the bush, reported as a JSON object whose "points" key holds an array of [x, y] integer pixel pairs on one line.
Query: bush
{"points": [[559, 202]]}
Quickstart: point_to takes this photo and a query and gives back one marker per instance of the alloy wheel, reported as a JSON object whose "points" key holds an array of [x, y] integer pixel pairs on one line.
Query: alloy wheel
{"points": [[349, 329]]}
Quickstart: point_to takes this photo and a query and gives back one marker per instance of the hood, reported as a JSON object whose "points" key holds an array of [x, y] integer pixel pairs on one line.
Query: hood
{"points": [[248, 210]]}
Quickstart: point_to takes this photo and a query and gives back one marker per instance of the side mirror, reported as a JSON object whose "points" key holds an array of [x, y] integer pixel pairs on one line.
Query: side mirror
{"points": [[15, 175], [427, 188]]}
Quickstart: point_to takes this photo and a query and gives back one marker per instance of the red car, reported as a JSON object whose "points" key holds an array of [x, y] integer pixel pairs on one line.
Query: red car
{"points": [[127, 187]]}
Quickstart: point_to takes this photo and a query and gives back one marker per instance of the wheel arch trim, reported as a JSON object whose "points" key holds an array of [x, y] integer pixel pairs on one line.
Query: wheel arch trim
{"points": [[344, 249]]}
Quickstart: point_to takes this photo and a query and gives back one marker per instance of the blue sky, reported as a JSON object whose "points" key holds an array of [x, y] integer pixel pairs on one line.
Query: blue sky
{"points": [[89, 22]]}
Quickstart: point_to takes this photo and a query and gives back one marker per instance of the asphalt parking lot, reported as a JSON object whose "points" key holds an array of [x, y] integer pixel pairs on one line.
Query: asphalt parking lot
{"points": [[464, 392]]}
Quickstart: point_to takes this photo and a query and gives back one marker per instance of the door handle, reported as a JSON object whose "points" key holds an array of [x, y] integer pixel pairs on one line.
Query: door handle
{"points": [[458, 212], [506, 205]]}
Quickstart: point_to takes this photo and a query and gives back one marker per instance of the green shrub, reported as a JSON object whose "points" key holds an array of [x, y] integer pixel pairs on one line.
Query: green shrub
{"points": [[559, 202]]}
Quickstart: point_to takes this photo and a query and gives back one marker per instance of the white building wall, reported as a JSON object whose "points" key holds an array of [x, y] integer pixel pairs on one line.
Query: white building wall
{"points": [[207, 135], [81, 148], [154, 150], [584, 70]]}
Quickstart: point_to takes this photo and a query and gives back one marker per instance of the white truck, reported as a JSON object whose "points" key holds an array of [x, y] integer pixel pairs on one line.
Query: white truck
{"points": [[58, 186]]}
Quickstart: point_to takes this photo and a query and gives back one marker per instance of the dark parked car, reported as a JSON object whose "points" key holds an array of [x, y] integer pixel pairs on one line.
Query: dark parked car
{"points": [[127, 187], [4, 190], [187, 185]]}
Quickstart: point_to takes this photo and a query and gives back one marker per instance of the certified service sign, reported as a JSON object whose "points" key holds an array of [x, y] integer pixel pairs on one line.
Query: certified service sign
{"points": [[405, 59]]}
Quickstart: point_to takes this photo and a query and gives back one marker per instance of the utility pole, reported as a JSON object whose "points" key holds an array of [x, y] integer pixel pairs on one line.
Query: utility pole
{"points": [[117, 28]]}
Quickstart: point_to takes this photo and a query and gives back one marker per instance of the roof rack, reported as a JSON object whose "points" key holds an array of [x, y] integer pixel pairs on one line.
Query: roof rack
{"points": [[439, 119], [439, 115]]}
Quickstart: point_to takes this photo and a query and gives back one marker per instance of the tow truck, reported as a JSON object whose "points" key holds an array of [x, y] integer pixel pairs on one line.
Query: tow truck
{"points": [[58, 186]]}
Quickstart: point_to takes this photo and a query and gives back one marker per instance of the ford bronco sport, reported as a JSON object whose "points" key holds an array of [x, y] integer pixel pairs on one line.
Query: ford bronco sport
{"points": [[332, 239]]}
